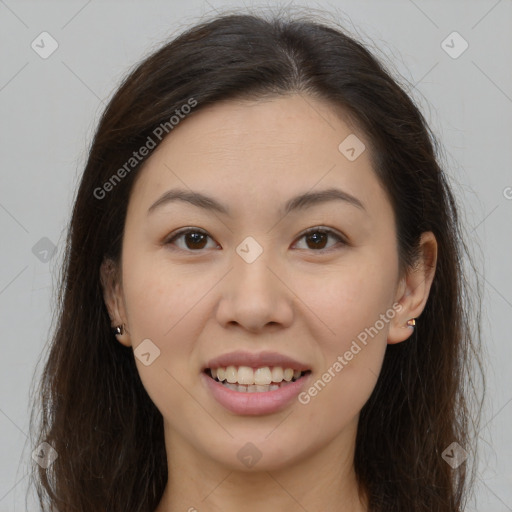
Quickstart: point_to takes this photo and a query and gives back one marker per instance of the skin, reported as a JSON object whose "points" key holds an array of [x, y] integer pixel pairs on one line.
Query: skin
{"points": [[294, 299]]}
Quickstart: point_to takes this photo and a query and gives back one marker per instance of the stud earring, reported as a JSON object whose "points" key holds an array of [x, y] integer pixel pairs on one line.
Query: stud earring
{"points": [[118, 329], [411, 323]]}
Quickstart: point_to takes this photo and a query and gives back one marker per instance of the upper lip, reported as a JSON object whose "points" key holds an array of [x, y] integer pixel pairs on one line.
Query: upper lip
{"points": [[255, 360]]}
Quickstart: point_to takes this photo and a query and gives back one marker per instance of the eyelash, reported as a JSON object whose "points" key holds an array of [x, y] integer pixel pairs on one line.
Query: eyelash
{"points": [[325, 231]]}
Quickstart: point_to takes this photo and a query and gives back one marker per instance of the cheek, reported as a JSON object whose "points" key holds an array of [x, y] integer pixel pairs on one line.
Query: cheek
{"points": [[167, 305], [161, 308], [159, 297], [348, 300], [353, 311]]}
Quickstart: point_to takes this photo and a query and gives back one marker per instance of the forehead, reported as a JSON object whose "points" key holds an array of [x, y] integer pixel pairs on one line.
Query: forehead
{"points": [[260, 152]]}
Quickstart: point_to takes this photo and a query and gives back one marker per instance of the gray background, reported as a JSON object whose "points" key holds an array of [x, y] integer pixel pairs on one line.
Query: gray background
{"points": [[49, 108]]}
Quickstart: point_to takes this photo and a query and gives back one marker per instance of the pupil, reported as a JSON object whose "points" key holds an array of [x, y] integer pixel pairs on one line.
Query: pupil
{"points": [[196, 238], [315, 235]]}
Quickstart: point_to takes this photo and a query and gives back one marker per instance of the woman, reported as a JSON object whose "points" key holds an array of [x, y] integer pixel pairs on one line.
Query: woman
{"points": [[263, 304]]}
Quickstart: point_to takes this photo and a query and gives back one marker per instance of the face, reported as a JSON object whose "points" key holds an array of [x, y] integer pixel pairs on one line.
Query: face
{"points": [[315, 282]]}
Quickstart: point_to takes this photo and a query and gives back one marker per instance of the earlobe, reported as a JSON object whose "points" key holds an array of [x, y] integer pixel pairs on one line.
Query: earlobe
{"points": [[398, 333], [414, 290], [113, 300]]}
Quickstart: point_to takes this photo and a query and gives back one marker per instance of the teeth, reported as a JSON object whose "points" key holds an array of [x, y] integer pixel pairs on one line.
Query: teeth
{"points": [[262, 376], [254, 388], [277, 374], [246, 375], [231, 374], [259, 377]]}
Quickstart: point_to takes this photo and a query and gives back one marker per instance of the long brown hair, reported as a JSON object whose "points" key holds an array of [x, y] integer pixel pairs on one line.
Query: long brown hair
{"points": [[95, 412]]}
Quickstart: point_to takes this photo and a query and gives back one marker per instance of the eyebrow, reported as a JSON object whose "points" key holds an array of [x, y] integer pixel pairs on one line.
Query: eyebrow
{"points": [[300, 202]]}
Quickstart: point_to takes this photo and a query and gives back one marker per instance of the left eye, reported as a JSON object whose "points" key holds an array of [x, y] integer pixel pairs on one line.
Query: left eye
{"points": [[195, 238], [320, 235]]}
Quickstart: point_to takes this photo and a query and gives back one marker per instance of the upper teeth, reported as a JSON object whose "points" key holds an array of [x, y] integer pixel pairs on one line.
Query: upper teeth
{"points": [[250, 376]]}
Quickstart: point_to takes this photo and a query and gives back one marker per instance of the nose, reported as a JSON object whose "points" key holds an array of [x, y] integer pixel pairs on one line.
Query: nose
{"points": [[255, 296]]}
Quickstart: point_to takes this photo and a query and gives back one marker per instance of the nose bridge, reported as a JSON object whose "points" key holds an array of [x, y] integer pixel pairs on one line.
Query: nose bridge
{"points": [[251, 269], [252, 295]]}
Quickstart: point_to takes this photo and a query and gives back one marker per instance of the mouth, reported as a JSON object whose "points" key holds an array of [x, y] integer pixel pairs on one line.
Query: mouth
{"points": [[245, 379], [244, 390]]}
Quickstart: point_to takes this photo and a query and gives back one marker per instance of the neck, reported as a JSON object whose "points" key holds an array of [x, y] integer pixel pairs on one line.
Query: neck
{"points": [[324, 480]]}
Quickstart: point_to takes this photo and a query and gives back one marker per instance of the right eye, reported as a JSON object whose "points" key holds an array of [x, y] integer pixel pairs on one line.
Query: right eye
{"points": [[194, 239]]}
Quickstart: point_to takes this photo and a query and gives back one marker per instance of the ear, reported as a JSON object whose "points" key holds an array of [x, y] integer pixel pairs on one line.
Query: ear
{"points": [[414, 288], [112, 294]]}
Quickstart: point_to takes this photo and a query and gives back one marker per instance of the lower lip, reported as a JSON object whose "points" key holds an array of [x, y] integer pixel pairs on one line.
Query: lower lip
{"points": [[258, 403]]}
